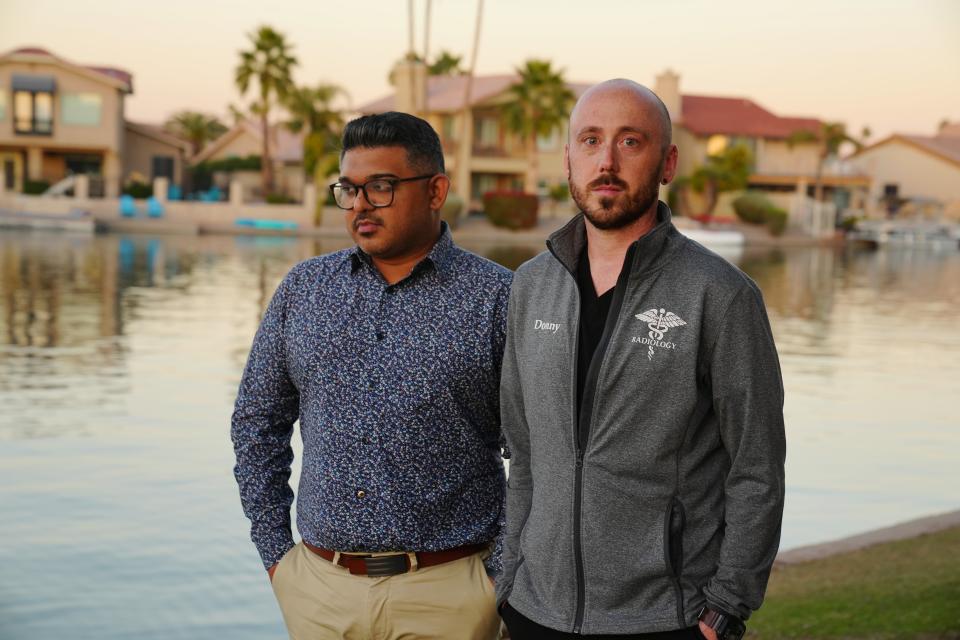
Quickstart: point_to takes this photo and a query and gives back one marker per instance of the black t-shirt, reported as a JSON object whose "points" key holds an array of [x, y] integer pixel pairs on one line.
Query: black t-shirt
{"points": [[593, 317]]}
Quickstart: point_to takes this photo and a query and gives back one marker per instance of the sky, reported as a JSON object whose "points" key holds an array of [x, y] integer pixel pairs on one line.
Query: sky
{"points": [[889, 65]]}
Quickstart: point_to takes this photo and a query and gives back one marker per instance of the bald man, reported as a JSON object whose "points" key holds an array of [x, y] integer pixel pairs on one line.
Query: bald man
{"points": [[642, 403]]}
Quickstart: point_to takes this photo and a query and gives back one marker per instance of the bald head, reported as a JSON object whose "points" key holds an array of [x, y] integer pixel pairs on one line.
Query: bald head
{"points": [[623, 89]]}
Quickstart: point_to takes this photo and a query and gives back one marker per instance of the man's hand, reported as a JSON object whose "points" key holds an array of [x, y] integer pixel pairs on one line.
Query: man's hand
{"points": [[707, 632], [273, 570]]}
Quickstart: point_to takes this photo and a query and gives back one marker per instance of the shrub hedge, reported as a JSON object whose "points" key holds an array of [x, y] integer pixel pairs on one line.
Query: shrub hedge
{"points": [[754, 208], [511, 209]]}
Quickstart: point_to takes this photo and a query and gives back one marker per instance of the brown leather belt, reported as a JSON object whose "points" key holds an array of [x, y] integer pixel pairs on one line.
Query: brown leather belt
{"points": [[377, 566]]}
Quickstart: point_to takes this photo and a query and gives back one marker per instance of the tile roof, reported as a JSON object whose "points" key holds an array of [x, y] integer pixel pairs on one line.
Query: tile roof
{"points": [[708, 115], [119, 75], [947, 147], [445, 93]]}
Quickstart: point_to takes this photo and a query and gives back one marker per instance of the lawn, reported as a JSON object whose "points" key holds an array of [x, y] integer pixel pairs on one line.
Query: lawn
{"points": [[904, 589]]}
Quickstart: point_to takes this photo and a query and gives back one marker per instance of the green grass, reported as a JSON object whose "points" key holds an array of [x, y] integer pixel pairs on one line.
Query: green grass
{"points": [[904, 589]]}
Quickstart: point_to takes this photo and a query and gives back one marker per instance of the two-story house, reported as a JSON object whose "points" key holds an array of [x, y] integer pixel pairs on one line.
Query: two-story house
{"points": [[496, 158], [702, 126], [59, 118], [782, 161]]}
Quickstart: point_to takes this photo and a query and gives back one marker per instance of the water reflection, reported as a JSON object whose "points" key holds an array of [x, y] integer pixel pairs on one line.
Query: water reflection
{"points": [[121, 355]]}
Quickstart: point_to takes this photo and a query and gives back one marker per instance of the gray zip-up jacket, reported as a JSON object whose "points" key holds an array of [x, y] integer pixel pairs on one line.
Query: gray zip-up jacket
{"points": [[677, 496]]}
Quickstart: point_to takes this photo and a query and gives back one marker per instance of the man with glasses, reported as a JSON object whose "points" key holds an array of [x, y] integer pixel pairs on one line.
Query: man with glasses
{"points": [[389, 355]]}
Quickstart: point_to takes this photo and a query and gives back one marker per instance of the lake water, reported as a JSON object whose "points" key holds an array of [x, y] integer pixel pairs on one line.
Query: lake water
{"points": [[120, 357]]}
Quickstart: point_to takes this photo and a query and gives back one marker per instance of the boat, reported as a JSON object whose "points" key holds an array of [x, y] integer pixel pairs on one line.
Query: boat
{"points": [[74, 221], [905, 233]]}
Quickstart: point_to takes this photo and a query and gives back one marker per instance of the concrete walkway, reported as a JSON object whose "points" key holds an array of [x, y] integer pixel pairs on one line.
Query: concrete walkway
{"points": [[902, 531]]}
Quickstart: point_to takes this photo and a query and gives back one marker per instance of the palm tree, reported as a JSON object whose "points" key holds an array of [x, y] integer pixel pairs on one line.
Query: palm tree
{"points": [[463, 178], [540, 102], [446, 64], [726, 171], [195, 127], [830, 137], [269, 62], [312, 110]]}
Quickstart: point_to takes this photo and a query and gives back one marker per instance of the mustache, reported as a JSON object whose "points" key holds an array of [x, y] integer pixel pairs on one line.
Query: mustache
{"points": [[607, 181]]}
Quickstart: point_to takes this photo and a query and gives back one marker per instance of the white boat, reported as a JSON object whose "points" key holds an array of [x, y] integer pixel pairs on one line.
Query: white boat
{"points": [[74, 221], [906, 233]]}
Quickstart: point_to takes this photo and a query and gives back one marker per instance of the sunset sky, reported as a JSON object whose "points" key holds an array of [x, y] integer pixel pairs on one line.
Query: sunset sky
{"points": [[890, 65]]}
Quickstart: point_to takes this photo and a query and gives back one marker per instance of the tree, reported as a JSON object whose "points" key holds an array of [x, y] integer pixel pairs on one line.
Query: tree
{"points": [[539, 103], [195, 127], [270, 63], [726, 171], [830, 137], [446, 64], [312, 111]]}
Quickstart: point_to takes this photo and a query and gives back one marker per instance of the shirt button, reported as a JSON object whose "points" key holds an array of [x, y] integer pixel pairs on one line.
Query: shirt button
{"points": [[361, 493]]}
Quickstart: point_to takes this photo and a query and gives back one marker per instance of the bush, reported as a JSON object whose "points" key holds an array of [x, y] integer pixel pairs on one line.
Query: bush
{"points": [[776, 221], [752, 208], [451, 209], [511, 209], [138, 190], [560, 192], [279, 198], [35, 187]]}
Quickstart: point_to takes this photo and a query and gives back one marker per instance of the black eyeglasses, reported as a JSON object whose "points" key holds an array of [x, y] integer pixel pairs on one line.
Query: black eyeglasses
{"points": [[378, 192]]}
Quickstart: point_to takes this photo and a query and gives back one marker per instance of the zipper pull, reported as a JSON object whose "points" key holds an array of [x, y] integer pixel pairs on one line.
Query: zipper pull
{"points": [[579, 459]]}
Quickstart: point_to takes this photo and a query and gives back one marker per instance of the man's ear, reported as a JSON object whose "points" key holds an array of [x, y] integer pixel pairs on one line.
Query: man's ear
{"points": [[670, 165], [439, 188], [566, 159]]}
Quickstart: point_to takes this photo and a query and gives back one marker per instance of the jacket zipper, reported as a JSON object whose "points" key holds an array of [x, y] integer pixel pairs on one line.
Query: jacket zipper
{"points": [[586, 410], [577, 547]]}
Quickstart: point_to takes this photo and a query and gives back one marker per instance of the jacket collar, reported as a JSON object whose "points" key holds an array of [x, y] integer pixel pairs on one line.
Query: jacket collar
{"points": [[568, 242]]}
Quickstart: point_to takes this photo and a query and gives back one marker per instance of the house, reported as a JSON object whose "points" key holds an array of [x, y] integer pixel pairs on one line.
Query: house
{"points": [[245, 139], [707, 125], [59, 118], [703, 125], [922, 169], [497, 158]]}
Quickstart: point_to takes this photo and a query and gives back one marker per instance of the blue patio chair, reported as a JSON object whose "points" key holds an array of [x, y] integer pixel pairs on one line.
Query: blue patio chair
{"points": [[154, 208], [174, 192], [128, 208]]}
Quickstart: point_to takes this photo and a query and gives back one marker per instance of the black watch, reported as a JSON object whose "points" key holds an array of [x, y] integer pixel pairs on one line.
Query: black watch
{"points": [[728, 627]]}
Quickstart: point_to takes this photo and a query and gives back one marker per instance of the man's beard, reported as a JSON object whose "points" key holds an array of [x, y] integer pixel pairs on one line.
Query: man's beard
{"points": [[610, 214]]}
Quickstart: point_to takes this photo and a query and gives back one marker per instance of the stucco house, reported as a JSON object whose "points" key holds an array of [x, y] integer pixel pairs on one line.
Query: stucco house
{"points": [[497, 159], [245, 139], [703, 125], [59, 118], [922, 169]]}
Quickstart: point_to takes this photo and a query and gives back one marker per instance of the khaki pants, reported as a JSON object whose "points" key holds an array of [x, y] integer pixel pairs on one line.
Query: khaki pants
{"points": [[319, 599]]}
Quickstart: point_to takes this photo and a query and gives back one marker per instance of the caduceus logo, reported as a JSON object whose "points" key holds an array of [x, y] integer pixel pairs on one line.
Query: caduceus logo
{"points": [[659, 321]]}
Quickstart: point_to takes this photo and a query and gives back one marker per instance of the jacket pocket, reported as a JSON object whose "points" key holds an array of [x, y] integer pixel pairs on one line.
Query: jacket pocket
{"points": [[673, 523]]}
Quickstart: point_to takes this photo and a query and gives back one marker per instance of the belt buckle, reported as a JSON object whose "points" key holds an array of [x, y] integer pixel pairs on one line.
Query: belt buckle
{"points": [[382, 566]]}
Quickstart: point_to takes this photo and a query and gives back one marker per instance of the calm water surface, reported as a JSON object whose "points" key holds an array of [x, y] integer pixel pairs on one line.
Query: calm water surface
{"points": [[120, 357]]}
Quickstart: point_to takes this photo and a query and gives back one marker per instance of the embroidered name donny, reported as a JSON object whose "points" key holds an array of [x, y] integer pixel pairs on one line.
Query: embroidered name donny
{"points": [[540, 325]]}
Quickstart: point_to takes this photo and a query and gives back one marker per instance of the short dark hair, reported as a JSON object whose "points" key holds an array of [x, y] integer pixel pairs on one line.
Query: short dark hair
{"points": [[395, 129]]}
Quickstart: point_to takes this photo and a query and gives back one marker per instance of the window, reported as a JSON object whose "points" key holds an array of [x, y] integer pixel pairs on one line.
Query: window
{"points": [[33, 104], [33, 112], [550, 142], [81, 109], [3, 105], [716, 145], [163, 167], [488, 132], [449, 133]]}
